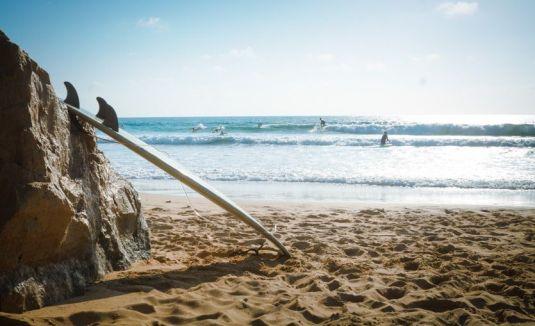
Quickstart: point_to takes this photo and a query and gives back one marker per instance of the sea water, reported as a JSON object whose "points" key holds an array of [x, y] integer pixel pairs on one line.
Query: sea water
{"points": [[483, 160]]}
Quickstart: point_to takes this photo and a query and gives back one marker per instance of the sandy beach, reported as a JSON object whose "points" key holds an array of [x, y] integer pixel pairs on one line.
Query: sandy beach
{"points": [[350, 264], [385, 150]]}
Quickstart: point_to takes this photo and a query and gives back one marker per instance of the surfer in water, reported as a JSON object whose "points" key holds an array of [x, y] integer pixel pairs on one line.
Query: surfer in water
{"points": [[384, 139], [219, 130], [322, 123]]}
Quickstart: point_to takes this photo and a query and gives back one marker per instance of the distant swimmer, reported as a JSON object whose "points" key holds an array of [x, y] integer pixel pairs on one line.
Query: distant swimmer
{"points": [[259, 125], [322, 123], [384, 139]]}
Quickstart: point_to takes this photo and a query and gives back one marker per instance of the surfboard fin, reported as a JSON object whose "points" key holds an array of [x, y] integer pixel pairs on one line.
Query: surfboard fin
{"points": [[72, 95], [73, 100], [107, 114]]}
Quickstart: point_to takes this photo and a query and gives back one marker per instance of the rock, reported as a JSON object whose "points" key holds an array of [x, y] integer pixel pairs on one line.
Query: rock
{"points": [[66, 218]]}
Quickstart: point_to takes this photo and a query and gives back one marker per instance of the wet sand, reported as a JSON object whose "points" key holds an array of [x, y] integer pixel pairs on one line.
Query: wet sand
{"points": [[350, 264]]}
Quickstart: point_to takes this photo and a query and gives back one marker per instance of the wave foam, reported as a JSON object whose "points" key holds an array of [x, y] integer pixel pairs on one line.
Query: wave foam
{"points": [[437, 129], [359, 126], [335, 141], [370, 181]]}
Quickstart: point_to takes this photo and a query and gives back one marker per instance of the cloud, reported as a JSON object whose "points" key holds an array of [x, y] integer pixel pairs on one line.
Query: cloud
{"points": [[322, 57], [151, 23], [376, 66], [325, 62], [460, 8], [246, 52], [236, 53], [426, 59], [219, 68]]}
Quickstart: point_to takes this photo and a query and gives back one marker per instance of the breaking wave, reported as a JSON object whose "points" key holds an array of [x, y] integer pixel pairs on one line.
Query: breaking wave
{"points": [[359, 128], [509, 184], [438, 129], [339, 141]]}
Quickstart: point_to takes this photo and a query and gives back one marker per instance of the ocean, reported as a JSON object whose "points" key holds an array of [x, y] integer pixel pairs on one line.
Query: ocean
{"points": [[482, 160]]}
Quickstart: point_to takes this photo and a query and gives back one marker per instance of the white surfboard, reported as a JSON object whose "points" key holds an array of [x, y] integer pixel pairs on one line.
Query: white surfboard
{"points": [[173, 168]]}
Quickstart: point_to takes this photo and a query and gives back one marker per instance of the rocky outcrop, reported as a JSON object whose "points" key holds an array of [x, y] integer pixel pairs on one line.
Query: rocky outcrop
{"points": [[66, 218]]}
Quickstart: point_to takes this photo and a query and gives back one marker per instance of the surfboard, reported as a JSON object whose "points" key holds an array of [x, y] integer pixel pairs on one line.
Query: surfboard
{"points": [[111, 128]]}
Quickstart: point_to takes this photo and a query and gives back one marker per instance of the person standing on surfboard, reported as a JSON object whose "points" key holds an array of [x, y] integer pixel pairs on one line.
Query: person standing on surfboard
{"points": [[384, 139], [322, 123]]}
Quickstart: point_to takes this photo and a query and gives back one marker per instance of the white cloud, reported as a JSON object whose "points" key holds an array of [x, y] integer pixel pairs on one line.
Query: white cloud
{"points": [[325, 62], [151, 22], [219, 68], [460, 8], [331, 67], [432, 57], [236, 53], [246, 52], [376, 66], [322, 57], [426, 59]]}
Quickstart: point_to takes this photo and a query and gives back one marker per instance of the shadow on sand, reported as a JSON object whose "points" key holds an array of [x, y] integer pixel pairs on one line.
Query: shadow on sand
{"points": [[164, 280]]}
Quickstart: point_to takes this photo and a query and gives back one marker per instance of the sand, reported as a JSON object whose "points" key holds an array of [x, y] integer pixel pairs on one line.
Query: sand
{"points": [[351, 264]]}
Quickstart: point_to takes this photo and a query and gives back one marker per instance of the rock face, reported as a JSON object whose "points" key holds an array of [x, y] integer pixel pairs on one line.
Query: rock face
{"points": [[66, 218]]}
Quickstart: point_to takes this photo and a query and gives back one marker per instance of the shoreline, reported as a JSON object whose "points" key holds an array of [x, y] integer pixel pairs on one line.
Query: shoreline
{"points": [[351, 263], [336, 194], [246, 203]]}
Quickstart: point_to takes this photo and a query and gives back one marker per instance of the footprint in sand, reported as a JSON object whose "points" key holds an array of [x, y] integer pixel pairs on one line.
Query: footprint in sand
{"points": [[437, 305], [143, 308], [373, 254], [301, 245], [372, 211], [353, 251], [423, 284], [439, 279], [400, 247], [350, 297], [411, 265], [392, 292], [332, 301]]}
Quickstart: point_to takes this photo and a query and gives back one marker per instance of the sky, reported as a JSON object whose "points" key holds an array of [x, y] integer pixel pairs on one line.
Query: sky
{"points": [[239, 58]]}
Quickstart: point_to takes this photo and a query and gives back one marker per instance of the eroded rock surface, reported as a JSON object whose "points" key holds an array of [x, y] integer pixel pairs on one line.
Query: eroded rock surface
{"points": [[66, 217]]}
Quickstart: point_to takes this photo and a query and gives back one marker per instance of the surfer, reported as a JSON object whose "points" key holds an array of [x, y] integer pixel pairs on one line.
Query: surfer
{"points": [[322, 123], [195, 129], [384, 139], [259, 125]]}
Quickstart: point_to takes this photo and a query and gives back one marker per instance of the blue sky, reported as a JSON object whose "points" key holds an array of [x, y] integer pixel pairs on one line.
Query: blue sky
{"points": [[172, 58]]}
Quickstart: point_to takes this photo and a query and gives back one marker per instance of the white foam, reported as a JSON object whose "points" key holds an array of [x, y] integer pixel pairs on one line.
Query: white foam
{"points": [[330, 140]]}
